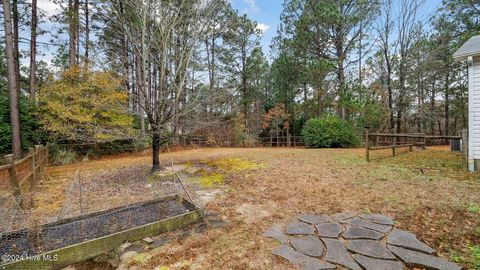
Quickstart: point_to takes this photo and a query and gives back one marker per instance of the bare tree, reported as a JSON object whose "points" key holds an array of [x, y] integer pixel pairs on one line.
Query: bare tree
{"points": [[384, 30], [163, 35], [12, 79], [407, 21]]}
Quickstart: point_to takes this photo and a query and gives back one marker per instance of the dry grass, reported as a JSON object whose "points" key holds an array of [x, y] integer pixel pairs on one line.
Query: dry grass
{"points": [[427, 192]]}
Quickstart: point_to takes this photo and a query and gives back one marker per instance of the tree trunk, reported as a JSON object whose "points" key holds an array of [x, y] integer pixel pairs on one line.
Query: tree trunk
{"points": [[447, 103], [12, 80], [432, 110], [33, 50], [389, 90], [141, 91], [244, 86], [87, 34], [340, 56], [360, 78], [16, 51], [156, 152], [402, 93], [73, 6]]}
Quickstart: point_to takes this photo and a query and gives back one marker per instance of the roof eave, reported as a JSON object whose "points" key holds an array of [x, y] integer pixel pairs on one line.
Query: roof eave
{"points": [[463, 56]]}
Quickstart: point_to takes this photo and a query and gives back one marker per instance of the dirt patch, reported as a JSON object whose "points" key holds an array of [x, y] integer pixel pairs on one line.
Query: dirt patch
{"points": [[252, 213]]}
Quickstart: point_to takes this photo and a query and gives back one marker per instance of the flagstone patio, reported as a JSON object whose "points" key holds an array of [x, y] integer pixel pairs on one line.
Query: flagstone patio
{"points": [[353, 241]]}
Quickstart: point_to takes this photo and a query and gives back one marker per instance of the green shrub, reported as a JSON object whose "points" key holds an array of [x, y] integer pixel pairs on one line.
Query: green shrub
{"points": [[329, 131]]}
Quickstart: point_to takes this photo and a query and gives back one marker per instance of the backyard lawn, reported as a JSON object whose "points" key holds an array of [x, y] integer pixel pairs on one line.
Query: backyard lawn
{"points": [[426, 192]]}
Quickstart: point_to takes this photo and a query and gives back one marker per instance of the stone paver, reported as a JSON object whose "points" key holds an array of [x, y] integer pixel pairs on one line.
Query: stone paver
{"points": [[355, 242], [314, 219], [337, 253], [377, 264], [300, 228], [330, 230], [376, 218], [291, 255], [369, 225], [416, 258], [370, 248], [408, 240], [308, 245], [277, 233], [315, 264], [357, 232]]}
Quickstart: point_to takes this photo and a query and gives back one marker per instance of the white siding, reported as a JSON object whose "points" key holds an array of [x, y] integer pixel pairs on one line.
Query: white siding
{"points": [[475, 110]]}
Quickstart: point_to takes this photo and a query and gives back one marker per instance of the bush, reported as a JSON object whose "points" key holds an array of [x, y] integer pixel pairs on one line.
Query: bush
{"points": [[329, 131]]}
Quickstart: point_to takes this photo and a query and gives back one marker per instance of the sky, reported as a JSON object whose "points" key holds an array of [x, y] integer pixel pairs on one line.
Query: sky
{"points": [[267, 14]]}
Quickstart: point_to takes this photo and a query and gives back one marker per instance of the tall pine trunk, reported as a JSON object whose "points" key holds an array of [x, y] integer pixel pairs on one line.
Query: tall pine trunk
{"points": [[33, 50], [432, 110], [12, 80], [340, 56], [87, 34], [16, 30], [73, 6], [447, 104]]}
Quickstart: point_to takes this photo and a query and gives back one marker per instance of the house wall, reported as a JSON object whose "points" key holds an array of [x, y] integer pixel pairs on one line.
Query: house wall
{"points": [[474, 113]]}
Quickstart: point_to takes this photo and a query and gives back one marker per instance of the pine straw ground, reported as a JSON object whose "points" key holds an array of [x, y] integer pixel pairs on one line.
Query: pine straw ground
{"points": [[426, 192]]}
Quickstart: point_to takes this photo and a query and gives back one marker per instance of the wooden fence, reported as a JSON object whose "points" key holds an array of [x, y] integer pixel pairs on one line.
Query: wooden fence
{"points": [[282, 141], [28, 168], [216, 141], [381, 141]]}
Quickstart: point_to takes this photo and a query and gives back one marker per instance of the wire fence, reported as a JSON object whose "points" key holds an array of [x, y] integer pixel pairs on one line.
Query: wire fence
{"points": [[88, 211], [16, 172]]}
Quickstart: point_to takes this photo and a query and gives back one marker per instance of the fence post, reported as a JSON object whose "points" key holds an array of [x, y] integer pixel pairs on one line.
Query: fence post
{"points": [[17, 192], [424, 141], [40, 152], [410, 141], [394, 145], [33, 179], [271, 140], [47, 154], [288, 139], [367, 147]]}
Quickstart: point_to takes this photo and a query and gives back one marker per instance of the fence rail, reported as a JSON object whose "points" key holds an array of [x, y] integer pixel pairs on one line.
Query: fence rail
{"points": [[32, 166], [223, 141], [282, 141], [381, 141]]}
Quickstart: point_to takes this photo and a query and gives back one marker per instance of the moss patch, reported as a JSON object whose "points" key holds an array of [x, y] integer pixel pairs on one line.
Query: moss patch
{"points": [[211, 179], [234, 165], [471, 257], [213, 172]]}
